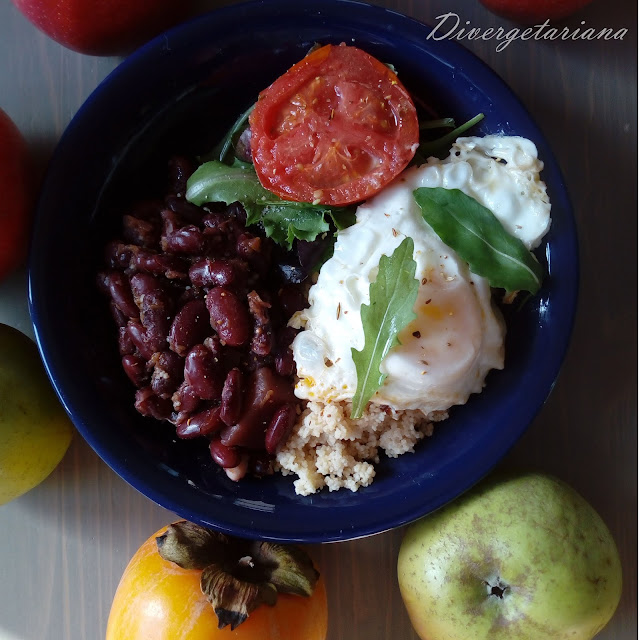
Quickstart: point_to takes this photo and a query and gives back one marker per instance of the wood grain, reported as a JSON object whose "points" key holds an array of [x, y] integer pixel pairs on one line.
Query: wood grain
{"points": [[66, 543]]}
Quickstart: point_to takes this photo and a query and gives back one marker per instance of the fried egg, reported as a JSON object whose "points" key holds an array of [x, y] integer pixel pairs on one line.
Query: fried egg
{"points": [[457, 337]]}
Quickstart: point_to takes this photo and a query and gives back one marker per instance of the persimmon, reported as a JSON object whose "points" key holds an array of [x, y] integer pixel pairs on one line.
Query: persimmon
{"points": [[159, 600]]}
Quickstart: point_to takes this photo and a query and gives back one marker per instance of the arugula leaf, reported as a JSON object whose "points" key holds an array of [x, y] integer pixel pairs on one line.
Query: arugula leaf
{"points": [[442, 144], [391, 299], [283, 220], [475, 234], [442, 123], [222, 149]]}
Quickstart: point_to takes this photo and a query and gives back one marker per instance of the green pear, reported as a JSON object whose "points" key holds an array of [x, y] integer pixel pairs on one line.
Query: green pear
{"points": [[521, 557], [35, 431]]}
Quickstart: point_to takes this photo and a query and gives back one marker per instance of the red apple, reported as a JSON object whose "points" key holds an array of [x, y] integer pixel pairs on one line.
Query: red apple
{"points": [[534, 11], [102, 27], [17, 189]]}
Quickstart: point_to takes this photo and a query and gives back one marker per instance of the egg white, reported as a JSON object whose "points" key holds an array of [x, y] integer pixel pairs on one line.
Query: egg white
{"points": [[457, 337]]}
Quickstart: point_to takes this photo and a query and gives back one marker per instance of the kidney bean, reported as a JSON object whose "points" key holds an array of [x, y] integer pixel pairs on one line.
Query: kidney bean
{"points": [[144, 233], [116, 285], [211, 272], [213, 344], [136, 369], [266, 392], [168, 373], [155, 308], [236, 211], [148, 404], [157, 336], [118, 317], [187, 239], [232, 397], [202, 372], [185, 400], [125, 343], [185, 209], [180, 239], [280, 427], [224, 456], [203, 423], [229, 317], [118, 254], [146, 345], [283, 354], [222, 224], [190, 327], [285, 363], [171, 267], [148, 294], [255, 250], [180, 168], [203, 262], [171, 222]]}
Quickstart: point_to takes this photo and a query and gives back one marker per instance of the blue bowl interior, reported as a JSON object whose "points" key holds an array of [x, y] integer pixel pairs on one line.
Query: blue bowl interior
{"points": [[178, 94]]}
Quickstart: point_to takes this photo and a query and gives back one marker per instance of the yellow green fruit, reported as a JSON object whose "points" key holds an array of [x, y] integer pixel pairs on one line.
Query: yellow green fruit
{"points": [[520, 557], [35, 431]]}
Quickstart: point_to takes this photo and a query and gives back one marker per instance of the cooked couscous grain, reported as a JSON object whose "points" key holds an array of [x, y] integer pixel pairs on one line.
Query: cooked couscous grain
{"points": [[329, 449]]}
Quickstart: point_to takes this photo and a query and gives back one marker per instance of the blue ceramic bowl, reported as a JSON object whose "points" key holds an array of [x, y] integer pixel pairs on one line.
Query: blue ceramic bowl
{"points": [[184, 89]]}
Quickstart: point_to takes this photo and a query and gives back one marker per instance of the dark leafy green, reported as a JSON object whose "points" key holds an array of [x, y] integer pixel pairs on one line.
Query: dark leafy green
{"points": [[223, 149], [441, 123], [283, 220], [215, 181], [391, 299], [478, 237], [442, 144], [287, 221]]}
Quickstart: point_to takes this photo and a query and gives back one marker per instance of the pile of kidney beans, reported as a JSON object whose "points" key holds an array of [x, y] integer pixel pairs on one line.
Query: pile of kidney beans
{"points": [[202, 303]]}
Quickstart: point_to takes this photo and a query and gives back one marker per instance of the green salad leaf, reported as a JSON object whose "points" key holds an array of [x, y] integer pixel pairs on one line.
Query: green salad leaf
{"points": [[478, 237], [439, 123], [343, 217], [442, 144], [225, 146], [215, 181], [392, 297], [283, 220]]}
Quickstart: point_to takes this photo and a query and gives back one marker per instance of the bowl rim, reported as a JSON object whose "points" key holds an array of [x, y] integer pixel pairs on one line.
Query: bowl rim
{"points": [[446, 51]]}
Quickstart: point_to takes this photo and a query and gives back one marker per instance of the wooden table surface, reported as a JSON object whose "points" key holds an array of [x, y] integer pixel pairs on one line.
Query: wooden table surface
{"points": [[66, 543]]}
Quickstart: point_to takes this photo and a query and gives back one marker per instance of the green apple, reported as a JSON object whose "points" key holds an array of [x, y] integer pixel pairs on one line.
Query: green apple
{"points": [[35, 431], [522, 557]]}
